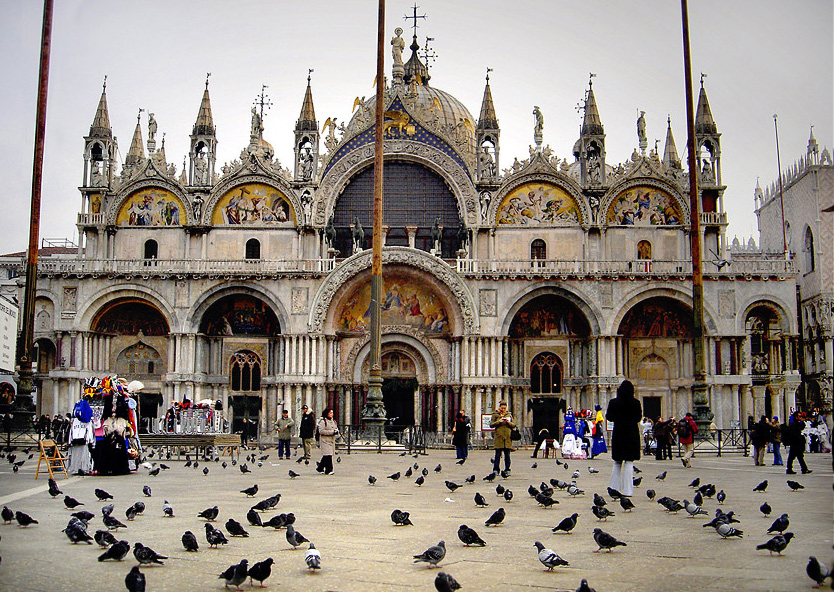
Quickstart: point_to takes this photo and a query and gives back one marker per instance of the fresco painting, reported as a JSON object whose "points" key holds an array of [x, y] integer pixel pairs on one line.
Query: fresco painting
{"points": [[549, 316], [538, 204], [406, 301], [240, 315], [657, 317], [149, 207], [253, 203], [131, 318], [644, 206]]}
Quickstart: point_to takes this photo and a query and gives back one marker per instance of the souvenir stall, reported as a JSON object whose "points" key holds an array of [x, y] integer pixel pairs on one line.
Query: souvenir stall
{"points": [[115, 419]]}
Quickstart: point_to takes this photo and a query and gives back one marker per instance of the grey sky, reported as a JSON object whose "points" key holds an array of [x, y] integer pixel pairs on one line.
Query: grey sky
{"points": [[761, 57]]}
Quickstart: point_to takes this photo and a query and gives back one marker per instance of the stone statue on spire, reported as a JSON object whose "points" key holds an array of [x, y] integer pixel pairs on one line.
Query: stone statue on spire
{"points": [[257, 124], [397, 46], [538, 128]]}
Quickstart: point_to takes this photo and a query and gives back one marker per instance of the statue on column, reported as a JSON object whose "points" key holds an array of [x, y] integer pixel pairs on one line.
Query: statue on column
{"points": [[330, 233], [200, 170], [397, 47], [305, 164], [151, 128], [257, 124], [436, 234], [197, 205], [358, 235], [538, 129]]}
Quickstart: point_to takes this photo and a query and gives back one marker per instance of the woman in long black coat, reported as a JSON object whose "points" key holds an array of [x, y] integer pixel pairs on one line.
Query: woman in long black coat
{"points": [[625, 412]]}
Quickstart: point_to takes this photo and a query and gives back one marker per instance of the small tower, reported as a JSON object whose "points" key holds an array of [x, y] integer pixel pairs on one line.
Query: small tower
{"points": [[813, 149], [203, 153], [415, 70], [707, 142], [136, 154], [670, 152], [590, 149], [100, 147], [306, 139], [487, 135]]}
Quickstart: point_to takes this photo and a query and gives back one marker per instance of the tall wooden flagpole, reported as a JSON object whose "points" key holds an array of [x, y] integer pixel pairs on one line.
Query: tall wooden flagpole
{"points": [[24, 401]]}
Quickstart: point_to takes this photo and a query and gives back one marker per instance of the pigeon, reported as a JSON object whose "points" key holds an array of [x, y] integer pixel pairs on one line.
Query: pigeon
{"points": [[71, 502], [696, 482], [548, 557], [505, 473], [84, 515], [777, 543], [438, 468], [424, 472], [721, 496], [7, 514], [140, 507], [672, 506], [77, 533], [235, 528], [165, 467], [816, 572], [53, 488], [189, 542], [650, 493], [394, 476], [371, 480], [312, 558], [626, 504], [294, 537], [409, 473], [606, 541], [154, 472], [480, 501], [545, 500], [795, 486], [780, 525], [601, 512], [250, 491], [615, 495], [592, 470], [470, 479], [452, 486], [104, 538], [147, 556], [573, 490], [236, 574], [205, 471], [130, 513], [420, 480], [209, 514], [401, 518], [698, 500], [707, 490], [261, 571], [496, 518], [244, 469], [662, 476], [215, 536], [102, 495], [766, 509], [584, 586], [112, 523], [490, 478], [167, 509], [761, 486], [693, 509], [469, 537], [461, 461], [276, 522], [508, 495], [532, 491], [726, 531], [262, 506], [443, 582], [292, 474], [117, 551], [254, 518], [599, 500], [146, 490], [534, 466], [575, 475], [499, 490], [433, 555], [135, 580]]}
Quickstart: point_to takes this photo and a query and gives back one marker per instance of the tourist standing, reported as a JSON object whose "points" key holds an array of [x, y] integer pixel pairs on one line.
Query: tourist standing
{"points": [[795, 441], [662, 432], [625, 411], [598, 444], [502, 423], [284, 427], [328, 430], [760, 437], [687, 428], [307, 432], [460, 436], [244, 432], [81, 437], [776, 440]]}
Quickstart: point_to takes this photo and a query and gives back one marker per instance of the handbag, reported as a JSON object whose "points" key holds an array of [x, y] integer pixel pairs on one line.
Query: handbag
{"points": [[515, 434]]}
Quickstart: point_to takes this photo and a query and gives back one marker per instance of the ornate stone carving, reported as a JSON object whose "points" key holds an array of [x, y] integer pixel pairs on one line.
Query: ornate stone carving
{"points": [[423, 261], [488, 302], [726, 304], [437, 359], [299, 300]]}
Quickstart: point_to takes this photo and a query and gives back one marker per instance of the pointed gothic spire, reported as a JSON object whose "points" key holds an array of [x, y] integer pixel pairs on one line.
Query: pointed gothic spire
{"points": [[307, 118], [670, 151], [136, 153], [205, 123], [414, 68], [488, 119], [591, 124], [101, 122], [704, 123]]}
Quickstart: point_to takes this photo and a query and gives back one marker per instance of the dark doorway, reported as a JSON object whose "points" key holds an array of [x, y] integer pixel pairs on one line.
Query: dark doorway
{"points": [[149, 404], [248, 407], [398, 398], [546, 414], [651, 407]]}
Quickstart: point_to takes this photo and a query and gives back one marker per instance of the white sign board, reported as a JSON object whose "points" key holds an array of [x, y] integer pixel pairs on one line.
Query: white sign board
{"points": [[8, 335]]}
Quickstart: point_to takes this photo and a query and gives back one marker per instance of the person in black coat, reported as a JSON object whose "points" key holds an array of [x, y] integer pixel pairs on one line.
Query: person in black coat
{"points": [[796, 443], [625, 412], [307, 432], [460, 435]]}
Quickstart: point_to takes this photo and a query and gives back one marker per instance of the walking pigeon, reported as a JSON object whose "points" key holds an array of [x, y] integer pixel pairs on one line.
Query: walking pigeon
{"points": [[548, 557], [766, 509], [250, 491], [601, 512], [215, 536], [7, 515], [235, 528], [401, 518], [567, 524], [53, 488], [146, 489], [761, 486], [726, 531], [236, 574], [693, 509], [313, 558], [452, 486], [795, 486], [102, 495], [480, 501], [469, 537], [662, 476], [371, 480], [112, 523], [777, 543], [606, 541], [626, 504], [496, 518], [294, 537], [167, 509], [420, 480], [394, 476], [104, 538], [209, 514], [261, 571], [816, 572], [71, 502], [721, 496], [433, 555], [780, 525]]}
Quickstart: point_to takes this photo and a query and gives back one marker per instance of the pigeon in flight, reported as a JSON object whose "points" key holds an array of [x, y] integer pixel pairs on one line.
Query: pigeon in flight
{"points": [[167, 509], [795, 486], [250, 491], [102, 495], [469, 537], [400, 518], [480, 501], [135, 580], [294, 537], [235, 528], [761, 486], [777, 543], [209, 514], [104, 538], [261, 571], [567, 524], [443, 582], [780, 525], [496, 518], [147, 556], [606, 541], [189, 542], [312, 558], [816, 572], [433, 555], [117, 551], [236, 574], [548, 557]]}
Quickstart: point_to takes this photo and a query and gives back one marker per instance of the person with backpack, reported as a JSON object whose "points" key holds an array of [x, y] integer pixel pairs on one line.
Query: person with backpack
{"points": [[760, 437], [687, 428]]}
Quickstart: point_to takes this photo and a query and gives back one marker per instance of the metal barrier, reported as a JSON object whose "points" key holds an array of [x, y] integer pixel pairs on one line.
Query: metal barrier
{"points": [[387, 438], [720, 442]]}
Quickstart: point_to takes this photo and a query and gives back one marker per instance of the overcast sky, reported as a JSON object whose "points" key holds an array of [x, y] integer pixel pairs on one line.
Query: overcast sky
{"points": [[761, 57]]}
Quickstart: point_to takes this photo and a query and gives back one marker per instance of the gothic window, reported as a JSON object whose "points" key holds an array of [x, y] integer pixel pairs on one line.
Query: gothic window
{"points": [[151, 250], [245, 370], [538, 249], [253, 249], [644, 250], [546, 374], [809, 250]]}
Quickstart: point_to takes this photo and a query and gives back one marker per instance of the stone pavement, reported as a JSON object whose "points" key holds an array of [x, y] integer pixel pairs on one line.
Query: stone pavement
{"points": [[349, 521]]}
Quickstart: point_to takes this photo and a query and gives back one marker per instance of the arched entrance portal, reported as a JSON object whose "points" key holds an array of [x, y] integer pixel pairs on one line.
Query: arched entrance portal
{"points": [[399, 383]]}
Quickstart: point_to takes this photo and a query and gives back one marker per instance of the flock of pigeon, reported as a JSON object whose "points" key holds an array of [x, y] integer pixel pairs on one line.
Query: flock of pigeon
{"points": [[546, 495]]}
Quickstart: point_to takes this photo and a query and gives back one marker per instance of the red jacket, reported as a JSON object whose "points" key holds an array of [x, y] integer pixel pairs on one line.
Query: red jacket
{"points": [[693, 428]]}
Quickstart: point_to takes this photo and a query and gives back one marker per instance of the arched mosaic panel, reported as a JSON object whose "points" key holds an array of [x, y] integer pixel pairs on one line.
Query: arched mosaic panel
{"points": [[644, 206], [538, 204], [657, 317], [152, 206], [250, 204]]}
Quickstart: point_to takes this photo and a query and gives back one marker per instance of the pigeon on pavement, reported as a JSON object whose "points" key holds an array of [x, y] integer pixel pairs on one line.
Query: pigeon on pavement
{"points": [[71, 502], [548, 557], [766, 509], [662, 476], [147, 490], [400, 518], [443, 582], [209, 514], [53, 488], [693, 509], [626, 504], [480, 501], [130, 513], [235, 528], [236, 574], [116, 551], [584, 586], [795, 485], [496, 518], [147, 556], [189, 542], [420, 480], [394, 476], [254, 518], [104, 538], [7, 515], [135, 580], [433, 555], [599, 500], [601, 512], [371, 480], [167, 509], [77, 533], [294, 537], [606, 541], [761, 486], [650, 493], [726, 531], [250, 491], [567, 524], [469, 537], [261, 571], [780, 525], [313, 558], [777, 543], [215, 536], [816, 572], [452, 486], [112, 523], [696, 482], [102, 495]]}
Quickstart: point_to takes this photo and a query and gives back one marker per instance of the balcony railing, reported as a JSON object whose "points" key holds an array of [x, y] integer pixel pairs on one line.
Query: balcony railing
{"points": [[91, 219], [169, 267], [713, 218]]}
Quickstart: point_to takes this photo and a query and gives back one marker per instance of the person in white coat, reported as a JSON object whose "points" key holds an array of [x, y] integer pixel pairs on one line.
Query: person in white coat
{"points": [[81, 436]]}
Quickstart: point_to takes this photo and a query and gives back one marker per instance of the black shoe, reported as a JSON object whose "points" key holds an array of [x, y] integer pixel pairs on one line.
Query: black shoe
{"points": [[790, 472], [807, 472]]}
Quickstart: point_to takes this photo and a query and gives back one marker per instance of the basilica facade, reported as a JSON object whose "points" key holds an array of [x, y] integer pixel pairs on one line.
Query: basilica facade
{"points": [[543, 283]]}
